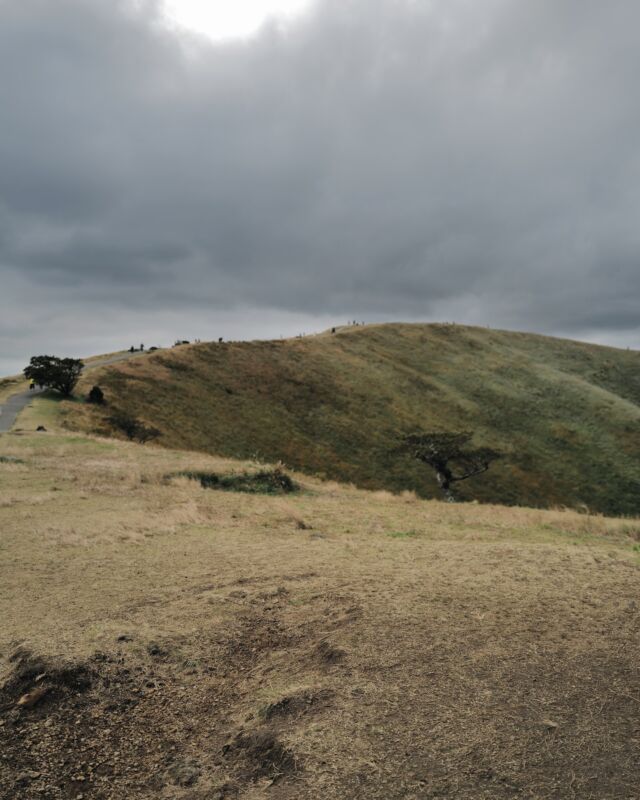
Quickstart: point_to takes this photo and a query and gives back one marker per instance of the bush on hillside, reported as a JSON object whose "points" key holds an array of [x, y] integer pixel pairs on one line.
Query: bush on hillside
{"points": [[265, 482], [96, 396], [133, 428]]}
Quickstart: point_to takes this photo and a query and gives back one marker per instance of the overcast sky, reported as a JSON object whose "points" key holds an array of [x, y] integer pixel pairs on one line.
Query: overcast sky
{"points": [[467, 160]]}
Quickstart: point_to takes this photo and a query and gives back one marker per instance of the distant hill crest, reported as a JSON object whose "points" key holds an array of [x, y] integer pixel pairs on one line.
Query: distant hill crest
{"points": [[566, 414]]}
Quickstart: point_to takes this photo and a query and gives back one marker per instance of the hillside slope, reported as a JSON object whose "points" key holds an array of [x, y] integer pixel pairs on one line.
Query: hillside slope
{"points": [[566, 414], [164, 641]]}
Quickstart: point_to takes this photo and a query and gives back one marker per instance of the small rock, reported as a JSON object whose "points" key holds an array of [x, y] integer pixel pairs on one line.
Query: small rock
{"points": [[154, 649], [124, 637], [185, 774], [34, 696]]}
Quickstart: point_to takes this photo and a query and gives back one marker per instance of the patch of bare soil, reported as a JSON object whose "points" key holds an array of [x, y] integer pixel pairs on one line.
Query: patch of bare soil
{"points": [[81, 730], [261, 755], [411, 709], [145, 721], [297, 704], [117, 728]]}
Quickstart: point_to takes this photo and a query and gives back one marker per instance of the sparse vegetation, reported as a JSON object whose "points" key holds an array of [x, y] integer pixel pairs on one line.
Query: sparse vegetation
{"points": [[132, 427], [264, 482]]}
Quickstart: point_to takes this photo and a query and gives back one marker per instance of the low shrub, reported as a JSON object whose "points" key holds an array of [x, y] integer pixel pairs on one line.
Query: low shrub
{"points": [[264, 482], [401, 534], [96, 395], [132, 427]]}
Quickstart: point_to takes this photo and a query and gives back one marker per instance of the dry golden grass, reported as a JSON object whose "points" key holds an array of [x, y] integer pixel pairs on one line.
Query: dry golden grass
{"points": [[334, 643], [564, 414], [12, 385]]}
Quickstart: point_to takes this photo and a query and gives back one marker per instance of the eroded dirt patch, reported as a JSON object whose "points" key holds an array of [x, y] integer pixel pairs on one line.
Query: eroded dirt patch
{"points": [[297, 704], [92, 731], [260, 754], [146, 721]]}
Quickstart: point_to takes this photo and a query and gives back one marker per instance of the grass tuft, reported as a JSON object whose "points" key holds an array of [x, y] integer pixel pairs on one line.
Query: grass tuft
{"points": [[402, 534]]}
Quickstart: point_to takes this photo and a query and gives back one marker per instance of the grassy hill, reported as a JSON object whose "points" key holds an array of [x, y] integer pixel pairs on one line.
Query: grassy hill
{"points": [[164, 640], [565, 414]]}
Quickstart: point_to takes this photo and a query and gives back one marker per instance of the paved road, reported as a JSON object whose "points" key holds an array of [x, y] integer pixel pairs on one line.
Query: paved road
{"points": [[14, 405]]}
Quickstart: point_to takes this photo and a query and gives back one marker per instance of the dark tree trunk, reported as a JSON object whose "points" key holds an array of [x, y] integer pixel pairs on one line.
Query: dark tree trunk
{"points": [[445, 479]]}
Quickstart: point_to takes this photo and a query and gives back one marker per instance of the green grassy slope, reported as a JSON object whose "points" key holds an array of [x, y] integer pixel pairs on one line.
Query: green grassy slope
{"points": [[566, 414]]}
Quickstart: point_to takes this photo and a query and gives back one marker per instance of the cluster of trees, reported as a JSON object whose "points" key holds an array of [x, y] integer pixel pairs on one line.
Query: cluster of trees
{"points": [[60, 374]]}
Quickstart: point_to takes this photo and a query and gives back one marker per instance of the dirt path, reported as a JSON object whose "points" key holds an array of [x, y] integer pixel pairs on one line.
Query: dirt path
{"points": [[10, 409]]}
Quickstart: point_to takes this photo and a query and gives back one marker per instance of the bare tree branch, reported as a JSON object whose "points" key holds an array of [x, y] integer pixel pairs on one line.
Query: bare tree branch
{"points": [[446, 451]]}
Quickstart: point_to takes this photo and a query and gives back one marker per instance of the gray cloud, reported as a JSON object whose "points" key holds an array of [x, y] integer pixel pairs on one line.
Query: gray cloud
{"points": [[384, 159]]}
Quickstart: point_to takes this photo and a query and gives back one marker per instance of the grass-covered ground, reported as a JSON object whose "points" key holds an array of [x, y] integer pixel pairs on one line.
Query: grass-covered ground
{"points": [[12, 385], [172, 641], [565, 414]]}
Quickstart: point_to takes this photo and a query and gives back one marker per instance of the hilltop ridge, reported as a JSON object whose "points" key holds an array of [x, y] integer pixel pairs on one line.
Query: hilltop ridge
{"points": [[565, 414]]}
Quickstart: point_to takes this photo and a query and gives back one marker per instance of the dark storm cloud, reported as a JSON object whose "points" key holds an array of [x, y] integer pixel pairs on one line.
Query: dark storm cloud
{"points": [[379, 158]]}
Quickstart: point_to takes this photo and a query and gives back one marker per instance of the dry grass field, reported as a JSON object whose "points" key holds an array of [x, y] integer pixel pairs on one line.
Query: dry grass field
{"points": [[162, 640], [12, 385]]}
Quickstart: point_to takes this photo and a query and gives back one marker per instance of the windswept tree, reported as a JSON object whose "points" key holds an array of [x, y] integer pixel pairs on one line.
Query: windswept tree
{"points": [[450, 456], [60, 374]]}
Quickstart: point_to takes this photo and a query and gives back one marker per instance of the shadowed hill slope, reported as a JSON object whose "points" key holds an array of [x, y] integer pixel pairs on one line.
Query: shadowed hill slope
{"points": [[565, 414]]}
